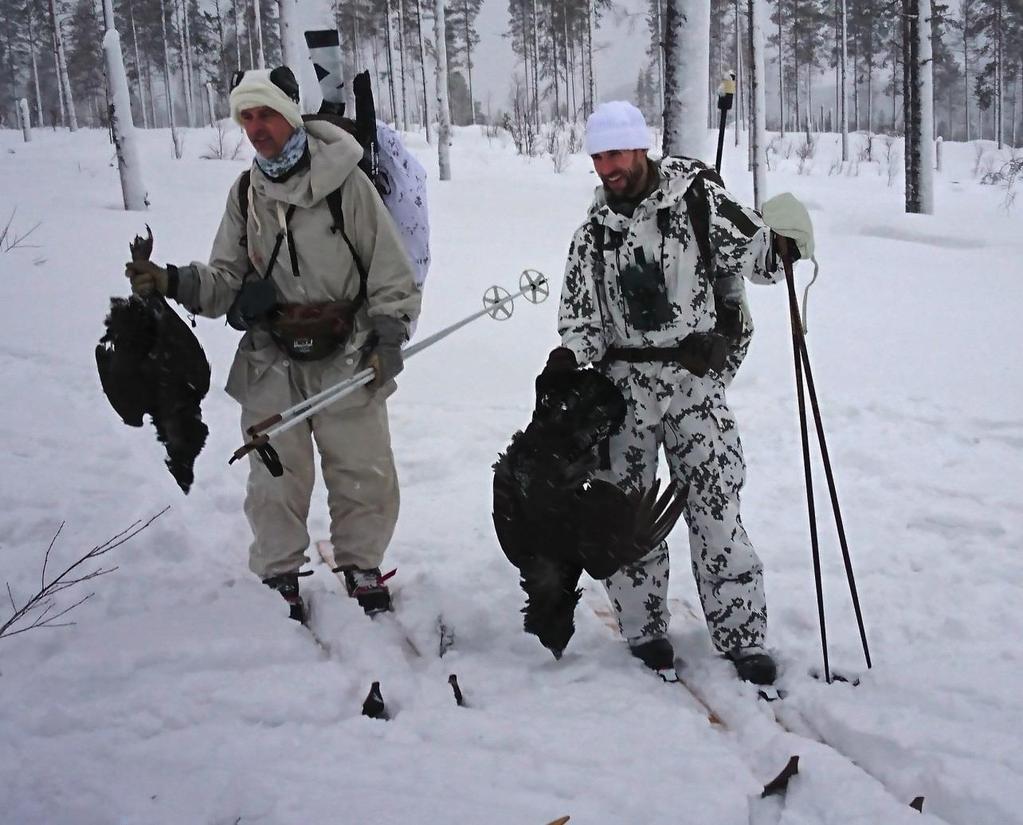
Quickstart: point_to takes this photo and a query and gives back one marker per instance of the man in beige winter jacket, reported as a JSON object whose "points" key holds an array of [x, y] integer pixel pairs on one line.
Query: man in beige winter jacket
{"points": [[288, 235]]}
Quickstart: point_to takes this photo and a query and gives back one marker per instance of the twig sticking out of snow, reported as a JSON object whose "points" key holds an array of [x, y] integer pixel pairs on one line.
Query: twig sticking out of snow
{"points": [[43, 608]]}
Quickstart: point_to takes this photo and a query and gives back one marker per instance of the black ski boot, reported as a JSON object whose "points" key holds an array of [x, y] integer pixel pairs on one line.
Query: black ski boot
{"points": [[657, 654], [287, 585], [756, 667], [368, 588]]}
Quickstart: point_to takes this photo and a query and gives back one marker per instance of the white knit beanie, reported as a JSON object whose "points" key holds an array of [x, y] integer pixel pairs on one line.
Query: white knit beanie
{"points": [[616, 125], [257, 89]]}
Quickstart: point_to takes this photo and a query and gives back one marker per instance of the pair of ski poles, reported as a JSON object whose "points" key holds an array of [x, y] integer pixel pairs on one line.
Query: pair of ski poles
{"points": [[803, 371], [497, 303]]}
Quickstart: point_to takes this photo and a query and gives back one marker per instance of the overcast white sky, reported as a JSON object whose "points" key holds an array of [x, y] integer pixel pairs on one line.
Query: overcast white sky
{"points": [[619, 57]]}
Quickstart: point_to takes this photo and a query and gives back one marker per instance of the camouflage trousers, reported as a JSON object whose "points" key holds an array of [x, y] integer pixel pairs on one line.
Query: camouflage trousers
{"points": [[701, 443]]}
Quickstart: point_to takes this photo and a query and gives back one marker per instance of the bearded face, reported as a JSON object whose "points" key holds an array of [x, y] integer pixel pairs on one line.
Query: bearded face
{"points": [[622, 171]]}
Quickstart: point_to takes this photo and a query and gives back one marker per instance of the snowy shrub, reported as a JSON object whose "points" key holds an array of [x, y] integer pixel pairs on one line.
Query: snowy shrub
{"points": [[9, 237], [893, 159], [575, 138], [1010, 173], [556, 145], [178, 139], [220, 148], [978, 154], [806, 152]]}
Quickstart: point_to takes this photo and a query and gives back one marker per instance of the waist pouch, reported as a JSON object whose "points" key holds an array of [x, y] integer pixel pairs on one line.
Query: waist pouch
{"points": [[699, 353], [310, 332]]}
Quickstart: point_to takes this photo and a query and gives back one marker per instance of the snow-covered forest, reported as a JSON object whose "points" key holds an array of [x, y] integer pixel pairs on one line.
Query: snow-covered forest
{"points": [[173, 48], [149, 677]]}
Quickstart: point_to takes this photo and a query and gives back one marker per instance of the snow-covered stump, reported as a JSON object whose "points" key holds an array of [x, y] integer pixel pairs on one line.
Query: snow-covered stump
{"points": [[26, 124], [443, 110], [121, 126], [211, 103]]}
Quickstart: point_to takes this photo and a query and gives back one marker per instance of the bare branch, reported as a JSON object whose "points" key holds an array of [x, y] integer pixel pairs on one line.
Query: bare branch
{"points": [[9, 239], [41, 609]]}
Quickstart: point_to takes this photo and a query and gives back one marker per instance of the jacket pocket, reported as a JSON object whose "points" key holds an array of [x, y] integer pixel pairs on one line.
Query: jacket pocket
{"points": [[258, 378]]}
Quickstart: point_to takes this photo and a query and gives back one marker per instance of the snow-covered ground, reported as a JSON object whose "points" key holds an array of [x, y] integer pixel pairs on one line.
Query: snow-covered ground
{"points": [[184, 695]]}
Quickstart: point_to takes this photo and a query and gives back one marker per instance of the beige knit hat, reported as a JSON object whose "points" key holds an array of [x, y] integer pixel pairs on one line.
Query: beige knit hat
{"points": [[275, 88]]}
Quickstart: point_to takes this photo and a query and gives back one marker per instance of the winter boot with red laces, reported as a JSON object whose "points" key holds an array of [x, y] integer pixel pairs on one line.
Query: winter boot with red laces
{"points": [[368, 588]]}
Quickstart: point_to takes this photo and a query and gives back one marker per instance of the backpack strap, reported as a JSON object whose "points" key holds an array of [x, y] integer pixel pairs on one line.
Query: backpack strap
{"points": [[338, 216], [698, 206], [243, 203]]}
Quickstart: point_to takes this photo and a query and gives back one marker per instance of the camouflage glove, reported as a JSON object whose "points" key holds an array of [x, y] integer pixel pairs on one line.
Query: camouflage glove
{"points": [[146, 277], [385, 357]]}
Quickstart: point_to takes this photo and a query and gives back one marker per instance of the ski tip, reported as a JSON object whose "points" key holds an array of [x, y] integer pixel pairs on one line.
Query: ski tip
{"points": [[459, 698], [780, 783], [561, 820], [373, 706], [917, 804]]}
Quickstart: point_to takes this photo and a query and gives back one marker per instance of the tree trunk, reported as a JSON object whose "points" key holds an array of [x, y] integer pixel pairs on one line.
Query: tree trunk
{"points": [[35, 65], [738, 74], [138, 64], [687, 62], [189, 66], [757, 102], [659, 22], [924, 94], [129, 166], [167, 81], [535, 20], [26, 120], [390, 63], [999, 75], [186, 83], [590, 95], [237, 36], [468, 65], [422, 68], [781, 72], [257, 24], [62, 75], [911, 101], [843, 99], [401, 62], [443, 109]]}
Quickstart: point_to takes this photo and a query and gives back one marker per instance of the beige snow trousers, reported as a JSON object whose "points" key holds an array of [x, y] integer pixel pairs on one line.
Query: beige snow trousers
{"points": [[357, 464]]}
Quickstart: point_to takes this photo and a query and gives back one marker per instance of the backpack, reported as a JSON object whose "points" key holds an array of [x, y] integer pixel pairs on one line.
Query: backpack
{"points": [[397, 176]]}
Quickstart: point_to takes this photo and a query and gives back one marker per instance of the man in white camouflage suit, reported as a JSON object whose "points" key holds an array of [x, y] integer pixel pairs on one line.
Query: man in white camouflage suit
{"points": [[640, 303]]}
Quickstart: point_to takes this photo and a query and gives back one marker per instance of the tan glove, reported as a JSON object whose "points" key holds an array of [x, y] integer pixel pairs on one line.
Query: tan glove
{"points": [[787, 216], [146, 277]]}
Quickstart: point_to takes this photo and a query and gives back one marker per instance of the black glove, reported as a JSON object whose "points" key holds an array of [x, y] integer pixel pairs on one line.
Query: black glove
{"points": [[385, 357], [561, 359]]}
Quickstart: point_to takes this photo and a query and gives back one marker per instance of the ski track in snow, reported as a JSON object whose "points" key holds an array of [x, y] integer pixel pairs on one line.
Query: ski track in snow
{"points": [[183, 694]]}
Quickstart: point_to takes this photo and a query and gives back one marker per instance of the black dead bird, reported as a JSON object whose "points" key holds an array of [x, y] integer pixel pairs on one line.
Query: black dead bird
{"points": [[553, 519], [150, 363]]}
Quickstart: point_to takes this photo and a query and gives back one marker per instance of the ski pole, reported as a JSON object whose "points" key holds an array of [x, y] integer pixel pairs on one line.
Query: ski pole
{"points": [[802, 366], [534, 287], [726, 91]]}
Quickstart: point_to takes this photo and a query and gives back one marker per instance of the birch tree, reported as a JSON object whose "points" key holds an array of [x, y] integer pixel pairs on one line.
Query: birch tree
{"points": [[65, 82], [687, 74], [133, 190], [757, 102], [443, 109]]}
